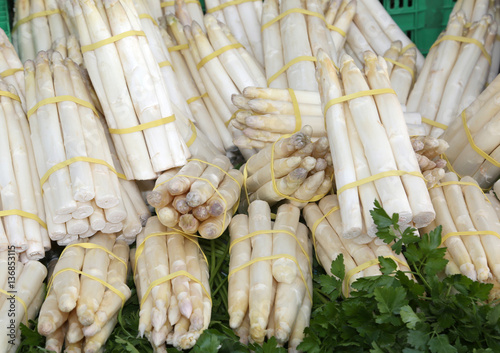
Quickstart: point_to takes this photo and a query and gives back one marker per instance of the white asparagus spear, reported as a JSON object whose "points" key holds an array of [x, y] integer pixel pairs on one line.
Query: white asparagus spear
{"points": [[343, 22], [371, 30], [24, 43], [193, 259], [284, 270], [180, 284], [40, 27], [251, 24]]}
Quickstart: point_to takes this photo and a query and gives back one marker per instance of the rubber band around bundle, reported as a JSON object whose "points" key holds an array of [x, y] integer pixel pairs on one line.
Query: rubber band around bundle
{"points": [[476, 232], [110, 40], [216, 53], [24, 214], [378, 176], [10, 95], [33, 16], [10, 72], [194, 99], [403, 66], [464, 40], [296, 110], [409, 46], [318, 222], [305, 12], [194, 134], [25, 307], [60, 99], [226, 4], [147, 16], [144, 126], [67, 162], [364, 266], [449, 166], [467, 183], [288, 65], [178, 47], [473, 144], [167, 4], [233, 116], [94, 246], [165, 63], [434, 123]]}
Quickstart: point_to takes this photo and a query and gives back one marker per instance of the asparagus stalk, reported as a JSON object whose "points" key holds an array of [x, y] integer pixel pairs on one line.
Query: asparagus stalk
{"points": [[271, 40]]}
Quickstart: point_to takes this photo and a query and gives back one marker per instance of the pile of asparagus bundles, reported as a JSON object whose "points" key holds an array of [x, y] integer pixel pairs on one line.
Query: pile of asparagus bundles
{"points": [[372, 154], [129, 85], [172, 280], [470, 228], [429, 151], [270, 278], [293, 168], [474, 138], [22, 214], [25, 284], [457, 66], [11, 68], [82, 193], [199, 197], [37, 23], [85, 293], [324, 221]]}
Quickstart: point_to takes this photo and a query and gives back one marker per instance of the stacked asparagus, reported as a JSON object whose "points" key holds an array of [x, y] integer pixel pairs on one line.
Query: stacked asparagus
{"points": [[11, 68], [82, 194], [127, 80], [293, 168], [474, 138], [198, 197], [428, 151], [22, 222], [372, 153], [172, 280], [36, 25], [457, 66], [25, 281], [324, 221], [401, 68], [270, 278], [85, 293]]}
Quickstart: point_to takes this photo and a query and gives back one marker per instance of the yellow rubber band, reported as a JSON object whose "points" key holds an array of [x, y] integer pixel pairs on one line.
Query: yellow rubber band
{"points": [[33, 16], [216, 53], [59, 99], [148, 17], [318, 222], [165, 63], [467, 183], [23, 214], [233, 116], [67, 162], [167, 4], [359, 94], [194, 134], [403, 66], [229, 3], [378, 176], [465, 40], [10, 72], [364, 266], [10, 95], [288, 65], [477, 232], [434, 123], [409, 46], [296, 110], [194, 99], [20, 302], [93, 246], [473, 144], [141, 127], [449, 166], [178, 47], [110, 40], [497, 37]]}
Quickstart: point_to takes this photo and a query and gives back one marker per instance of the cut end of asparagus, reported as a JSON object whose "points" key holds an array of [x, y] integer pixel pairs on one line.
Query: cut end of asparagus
{"points": [[236, 318], [423, 219]]}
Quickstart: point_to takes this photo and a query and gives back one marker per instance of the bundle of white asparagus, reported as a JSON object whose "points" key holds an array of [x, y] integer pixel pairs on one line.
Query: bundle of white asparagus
{"points": [[79, 179], [293, 168], [129, 84], [22, 213], [86, 291], [470, 228], [22, 299], [11, 68], [199, 197], [372, 154], [172, 280], [474, 138], [429, 151], [270, 276], [457, 66], [37, 23], [324, 221]]}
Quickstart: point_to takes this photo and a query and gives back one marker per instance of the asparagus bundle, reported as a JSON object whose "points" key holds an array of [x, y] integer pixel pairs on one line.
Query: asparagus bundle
{"points": [[21, 297], [79, 179], [85, 294], [293, 168], [474, 138], [270, 278], [372, 153], [36, 25], [172, 280], [199, 197], [456, 72], [324, 221], [429, 151], [127, 80], [11, 68], [22, 213]]}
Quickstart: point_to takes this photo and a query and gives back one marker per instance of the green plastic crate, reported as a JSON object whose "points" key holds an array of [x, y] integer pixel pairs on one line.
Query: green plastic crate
{"points": [[4, 17], [421, 20]]}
